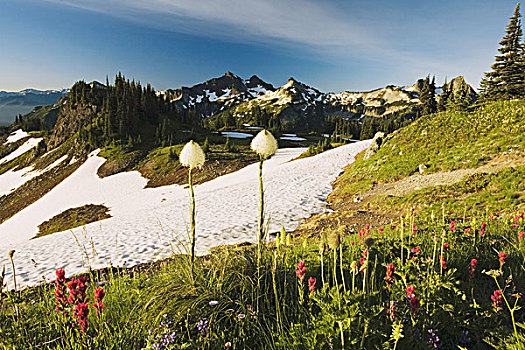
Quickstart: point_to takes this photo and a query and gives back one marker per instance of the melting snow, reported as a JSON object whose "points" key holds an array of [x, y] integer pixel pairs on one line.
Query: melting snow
{"points": [[147, 222], [17, 135], [26, 146]]}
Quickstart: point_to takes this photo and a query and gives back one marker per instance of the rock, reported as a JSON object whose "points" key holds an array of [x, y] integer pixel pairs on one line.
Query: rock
{"points": [[376, 144], [422, 168]]}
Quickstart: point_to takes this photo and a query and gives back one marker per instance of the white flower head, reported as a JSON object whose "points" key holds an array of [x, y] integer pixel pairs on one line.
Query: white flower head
{"points": [[264, 144], [192, 155]]}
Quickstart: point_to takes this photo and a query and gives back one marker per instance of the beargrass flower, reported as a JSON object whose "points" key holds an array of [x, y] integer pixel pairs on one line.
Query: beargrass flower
{"points": [[192, 155], [264, 144]]}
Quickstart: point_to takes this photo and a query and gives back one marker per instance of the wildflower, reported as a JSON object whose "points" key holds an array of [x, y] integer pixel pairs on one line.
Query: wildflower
{"points": [[392, 310], [390, 269], [446, 246], [311, 284], [228, 345], [213, 302], [381, 230], [301, 270], [102, 283], [520, 235], [473, 264], [468, 230], [60, 292], [414, 304], [352, 243], [354, 267], [203, 326], [264, 144], [414, 228], [452, 226], [192, 155], [433, 339], [241, 316], [397, 331], [502, 256], [496, 300], [443, 262], [410, 291], [465, 339], [416, 250], [82, 312], [98, 297]]}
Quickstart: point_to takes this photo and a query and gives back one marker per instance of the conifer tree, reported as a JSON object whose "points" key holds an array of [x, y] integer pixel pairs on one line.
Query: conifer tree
{"points": [[443, 98], [507, 78], [427, 97]]}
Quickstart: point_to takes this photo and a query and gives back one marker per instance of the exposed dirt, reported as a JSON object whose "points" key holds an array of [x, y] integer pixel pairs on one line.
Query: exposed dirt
{"points": [[354, 212]]}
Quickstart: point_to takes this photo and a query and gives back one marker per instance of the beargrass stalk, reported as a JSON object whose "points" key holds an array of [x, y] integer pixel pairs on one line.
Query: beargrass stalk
{"points": [[335, 243], [192, 156], [276, 295], [341, 266], [11, 254], [402, 229], [265, 145]]}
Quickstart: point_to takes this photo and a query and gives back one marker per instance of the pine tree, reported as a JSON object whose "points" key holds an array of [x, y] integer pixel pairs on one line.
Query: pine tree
{"points": [[443, 98], [507, 78], [427, 97]]}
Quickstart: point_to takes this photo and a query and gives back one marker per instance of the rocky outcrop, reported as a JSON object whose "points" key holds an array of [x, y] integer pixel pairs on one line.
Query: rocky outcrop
{"points": [[377, 141]]}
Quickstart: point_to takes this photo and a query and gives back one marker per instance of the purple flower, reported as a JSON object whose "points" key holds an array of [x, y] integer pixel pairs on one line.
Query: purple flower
{"points": [[102, 283], [241, 316]]}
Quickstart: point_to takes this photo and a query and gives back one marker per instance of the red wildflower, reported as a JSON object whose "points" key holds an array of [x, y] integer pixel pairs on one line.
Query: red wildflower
{"points": [[392, 310], [380, 230], [414, 228], [301, 270], [502, 256], [390, 269], [414, 304], [352, 243], [446, 246], [443, 262], [416, 250], [60, 292], [520, 235], [311, 284], [98, 297], [473, 264], [452, 226], [410, 291], [82, 313], [496, 300]]}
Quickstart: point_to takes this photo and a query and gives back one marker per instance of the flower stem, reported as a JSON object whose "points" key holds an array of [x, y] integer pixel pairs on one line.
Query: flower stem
{"points": [[260, 233], [192, 220]]}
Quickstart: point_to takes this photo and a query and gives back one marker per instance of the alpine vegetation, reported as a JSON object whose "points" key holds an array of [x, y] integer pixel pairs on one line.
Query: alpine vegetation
{"points": [[191, 157]]}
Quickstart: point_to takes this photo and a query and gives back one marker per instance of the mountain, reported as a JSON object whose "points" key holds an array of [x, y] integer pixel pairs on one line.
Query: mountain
{"points": [[22, 102], [296, 106], [216, 95]]}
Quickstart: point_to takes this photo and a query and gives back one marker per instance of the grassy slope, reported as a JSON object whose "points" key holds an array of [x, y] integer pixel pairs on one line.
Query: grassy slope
{"points": [[443, 141]]}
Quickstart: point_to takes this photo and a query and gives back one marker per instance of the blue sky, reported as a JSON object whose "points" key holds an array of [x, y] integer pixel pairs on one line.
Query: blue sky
{"points": [[332, 45]]}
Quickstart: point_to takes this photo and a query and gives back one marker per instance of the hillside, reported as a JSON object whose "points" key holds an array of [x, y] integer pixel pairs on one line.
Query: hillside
{"points": [[476, 163]]}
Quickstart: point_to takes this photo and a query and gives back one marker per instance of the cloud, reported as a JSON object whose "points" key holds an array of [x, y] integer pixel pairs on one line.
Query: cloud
{"points": [[316, 25], [325, 29]]}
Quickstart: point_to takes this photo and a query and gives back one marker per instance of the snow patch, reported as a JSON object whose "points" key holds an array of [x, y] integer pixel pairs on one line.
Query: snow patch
{"points": [[147, 223], [26, 146], [17, 135]]}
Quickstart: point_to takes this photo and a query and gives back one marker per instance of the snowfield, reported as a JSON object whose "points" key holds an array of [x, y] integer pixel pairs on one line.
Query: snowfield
{"points": [[148, 224], [26, 146]]}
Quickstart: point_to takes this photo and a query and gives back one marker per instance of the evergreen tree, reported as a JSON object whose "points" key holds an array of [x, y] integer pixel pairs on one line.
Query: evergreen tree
{"points": [[507, 78], [427, 97], [443, 98]]}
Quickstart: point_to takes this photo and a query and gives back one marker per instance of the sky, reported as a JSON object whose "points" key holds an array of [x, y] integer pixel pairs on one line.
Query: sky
{"points": [[333, 45]]}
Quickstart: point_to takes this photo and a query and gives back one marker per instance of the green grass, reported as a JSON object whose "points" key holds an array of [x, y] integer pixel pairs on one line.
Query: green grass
{"points": [[73, 217], [481, 192], [445, 141]]}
